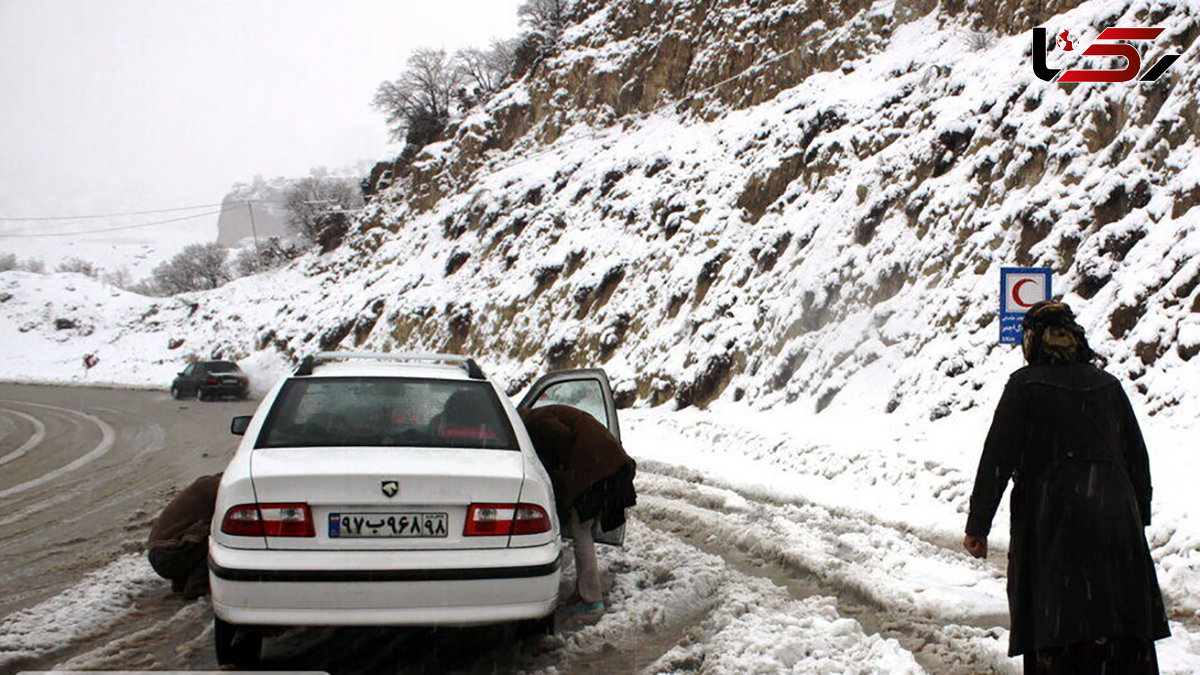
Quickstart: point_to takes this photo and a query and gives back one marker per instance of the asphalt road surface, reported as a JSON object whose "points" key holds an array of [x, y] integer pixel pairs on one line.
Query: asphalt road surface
{"points": [[84, 471]]}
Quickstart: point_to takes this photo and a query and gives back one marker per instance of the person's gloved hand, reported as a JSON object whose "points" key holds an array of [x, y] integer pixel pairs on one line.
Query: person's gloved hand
{"points": [[976, 546]]}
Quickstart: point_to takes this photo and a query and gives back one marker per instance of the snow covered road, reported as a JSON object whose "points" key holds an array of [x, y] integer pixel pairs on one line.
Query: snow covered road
{"points": [[873, 509], [761, 543]]}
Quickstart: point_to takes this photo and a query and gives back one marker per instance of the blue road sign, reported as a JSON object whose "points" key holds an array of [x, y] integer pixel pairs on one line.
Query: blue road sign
{"points": [[1020, 289]]}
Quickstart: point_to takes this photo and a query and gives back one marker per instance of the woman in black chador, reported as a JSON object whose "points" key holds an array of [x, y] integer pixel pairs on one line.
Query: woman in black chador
{"points": [[1081, 585]]}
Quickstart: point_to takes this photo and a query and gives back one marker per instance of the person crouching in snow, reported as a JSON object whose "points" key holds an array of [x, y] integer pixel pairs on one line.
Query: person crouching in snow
{"points": [[593, 481], [178, 544], [1082, 591]]}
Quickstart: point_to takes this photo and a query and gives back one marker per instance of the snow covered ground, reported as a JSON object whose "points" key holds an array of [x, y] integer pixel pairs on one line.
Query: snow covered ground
{"points": [[763, 542], [61, 317], [137, 250], [877, 508]]}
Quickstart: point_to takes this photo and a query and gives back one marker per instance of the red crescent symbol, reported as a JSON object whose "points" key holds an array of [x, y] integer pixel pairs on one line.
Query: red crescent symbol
{"points": [[1016, 293]]}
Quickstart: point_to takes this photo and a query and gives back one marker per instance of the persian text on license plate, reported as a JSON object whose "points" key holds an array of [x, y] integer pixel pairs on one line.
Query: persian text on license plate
{"points": [[387, 525]]}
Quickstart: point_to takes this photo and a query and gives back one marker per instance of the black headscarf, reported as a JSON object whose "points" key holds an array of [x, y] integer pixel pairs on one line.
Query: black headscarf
{"points": [[1052, 336]]}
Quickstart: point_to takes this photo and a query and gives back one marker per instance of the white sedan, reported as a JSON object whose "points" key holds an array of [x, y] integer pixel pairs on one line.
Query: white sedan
{"points": [[380, 489]]}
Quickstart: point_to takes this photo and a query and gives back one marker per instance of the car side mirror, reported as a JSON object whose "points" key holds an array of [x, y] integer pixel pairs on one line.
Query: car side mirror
{"points": [[239, 424]]}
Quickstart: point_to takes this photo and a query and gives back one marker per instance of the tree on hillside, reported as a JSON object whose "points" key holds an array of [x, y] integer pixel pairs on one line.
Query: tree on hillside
{"points": [[272, 253], [417, 104], [33, 265], [310, 200], [544, 22], [484, 71], [198, 267], [10, 261], [548, 17], [120, 278], [78, 266]]}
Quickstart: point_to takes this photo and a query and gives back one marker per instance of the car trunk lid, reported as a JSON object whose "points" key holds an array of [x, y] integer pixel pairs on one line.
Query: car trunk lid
{"points": [[354, 491]]}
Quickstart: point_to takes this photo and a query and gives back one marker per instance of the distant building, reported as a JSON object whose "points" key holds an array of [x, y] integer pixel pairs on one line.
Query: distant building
{"points": [[270, 217]]}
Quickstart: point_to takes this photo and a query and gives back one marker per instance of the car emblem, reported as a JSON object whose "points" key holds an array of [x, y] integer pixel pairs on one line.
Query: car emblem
{"points": [[390, 488]]}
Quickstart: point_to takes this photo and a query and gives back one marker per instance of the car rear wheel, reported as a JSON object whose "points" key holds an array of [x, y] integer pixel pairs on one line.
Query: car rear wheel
{"points": [[201, 395], [175, 393], [235, 646]]}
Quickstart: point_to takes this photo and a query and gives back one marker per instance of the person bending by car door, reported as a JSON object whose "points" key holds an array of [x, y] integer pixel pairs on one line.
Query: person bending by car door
{"points": [[178, 544], [593, 481], [1082, 590]]}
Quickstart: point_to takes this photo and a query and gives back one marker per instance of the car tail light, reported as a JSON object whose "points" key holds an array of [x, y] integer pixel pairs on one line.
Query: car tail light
{"points": [[531, 519], [212, 380], [505, 519], [269, 520]]}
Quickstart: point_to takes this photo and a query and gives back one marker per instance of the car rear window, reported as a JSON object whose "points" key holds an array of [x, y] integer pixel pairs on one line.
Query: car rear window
{"points": [[386, 411], [221, 367]]}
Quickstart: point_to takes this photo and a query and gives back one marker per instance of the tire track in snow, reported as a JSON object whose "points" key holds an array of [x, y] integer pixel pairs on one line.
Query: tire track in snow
{"points": [[39, 435], [150, 438], [676, 608], [714, 491], [743, 531], [108, 437]]}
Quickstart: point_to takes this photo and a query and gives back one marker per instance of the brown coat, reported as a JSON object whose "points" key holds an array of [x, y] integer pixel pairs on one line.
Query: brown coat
{"points": [[576, 449], [187, 518], [178, 543]]}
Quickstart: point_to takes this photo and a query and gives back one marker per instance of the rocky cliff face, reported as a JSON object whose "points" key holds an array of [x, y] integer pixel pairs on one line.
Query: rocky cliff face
{"points": [[715, 227], [775, 202]]}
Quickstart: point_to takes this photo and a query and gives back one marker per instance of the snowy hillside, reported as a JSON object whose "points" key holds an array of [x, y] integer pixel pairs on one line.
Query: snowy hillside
{"points": [[826, 228]]}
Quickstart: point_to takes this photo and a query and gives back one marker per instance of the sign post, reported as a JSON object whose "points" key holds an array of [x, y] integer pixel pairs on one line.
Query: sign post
{"points": [[1020, 289]]}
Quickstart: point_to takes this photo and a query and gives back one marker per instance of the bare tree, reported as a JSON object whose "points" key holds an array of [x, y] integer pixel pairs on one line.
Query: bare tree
{"points": [[417, 104], [198, 267], [548, 17], [120, 278], [309, 200], [8, 261], [32, 265], [273, 253], [78, 266], [485, 70]]}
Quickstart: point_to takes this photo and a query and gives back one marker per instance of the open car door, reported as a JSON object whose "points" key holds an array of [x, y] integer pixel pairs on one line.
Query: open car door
{"points": [[588, 390]]}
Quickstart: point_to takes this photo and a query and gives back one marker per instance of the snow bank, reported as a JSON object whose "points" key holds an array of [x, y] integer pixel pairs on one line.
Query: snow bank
{"points": [[102, 598], [880, 509]]}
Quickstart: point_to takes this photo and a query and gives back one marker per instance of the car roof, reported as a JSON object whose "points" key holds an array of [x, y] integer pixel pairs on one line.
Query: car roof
{"points": [[367, 368]]}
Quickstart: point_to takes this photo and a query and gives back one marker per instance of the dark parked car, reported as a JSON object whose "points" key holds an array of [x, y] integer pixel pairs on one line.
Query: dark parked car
{"points": [[211, 379]]}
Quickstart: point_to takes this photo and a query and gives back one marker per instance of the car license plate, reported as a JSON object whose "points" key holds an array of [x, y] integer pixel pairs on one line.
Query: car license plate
{"points": [[343, 525]]}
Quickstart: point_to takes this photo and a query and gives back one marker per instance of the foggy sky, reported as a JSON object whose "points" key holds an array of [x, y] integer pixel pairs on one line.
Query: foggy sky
{"points": [[142, 104]]}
